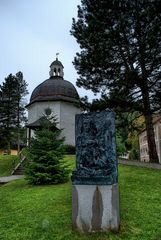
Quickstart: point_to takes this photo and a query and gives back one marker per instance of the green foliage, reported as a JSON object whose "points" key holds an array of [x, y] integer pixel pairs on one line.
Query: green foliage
{"points": [[7, 111], [21, 89], [133, 141], [128, 126], [120, 55], [120, 43], [44, 212], [120, 145], [45, 154], [7, 163], [134, 154], [69, 149], [12, 110]]}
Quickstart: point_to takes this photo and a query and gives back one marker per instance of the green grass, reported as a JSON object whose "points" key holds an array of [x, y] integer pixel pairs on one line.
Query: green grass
{"points": [[7, 164], [44, 212]]}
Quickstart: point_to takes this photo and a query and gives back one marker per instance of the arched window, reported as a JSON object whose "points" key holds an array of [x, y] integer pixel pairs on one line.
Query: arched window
{"points": [[59, 71]]}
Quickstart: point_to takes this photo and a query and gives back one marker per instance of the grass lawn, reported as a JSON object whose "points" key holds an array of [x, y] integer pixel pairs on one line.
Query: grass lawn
{"points": [[44, 212], [7, 164]]}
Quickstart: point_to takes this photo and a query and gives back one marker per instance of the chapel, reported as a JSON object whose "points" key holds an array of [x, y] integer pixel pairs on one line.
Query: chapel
{"points": [[57, 97]]}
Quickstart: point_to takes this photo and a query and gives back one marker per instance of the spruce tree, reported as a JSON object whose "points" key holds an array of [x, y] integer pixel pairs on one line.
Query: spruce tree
{"points": [[12, 110], [8, 113], [120, 44], [45, 155], [21, 92]]}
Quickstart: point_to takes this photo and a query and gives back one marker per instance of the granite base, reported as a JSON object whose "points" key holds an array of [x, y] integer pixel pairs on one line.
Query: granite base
{"points": [[95, 208]]}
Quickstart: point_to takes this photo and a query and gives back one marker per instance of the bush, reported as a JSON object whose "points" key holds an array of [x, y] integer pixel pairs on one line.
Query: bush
{"points": [[69, 149], [134, 154]]}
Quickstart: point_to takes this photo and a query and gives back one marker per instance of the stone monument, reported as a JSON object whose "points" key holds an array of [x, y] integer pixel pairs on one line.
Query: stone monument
{"points": [[95, 194]]}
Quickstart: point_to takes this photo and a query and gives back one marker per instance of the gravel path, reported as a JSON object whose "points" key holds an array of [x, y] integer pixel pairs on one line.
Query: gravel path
{"points": [[140, 164]]}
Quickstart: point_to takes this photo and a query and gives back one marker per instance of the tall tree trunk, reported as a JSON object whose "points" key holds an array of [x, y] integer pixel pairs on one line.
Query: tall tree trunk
{"points": [[8, 133], [18, 140], [143, 83], [18, 121], [18, 129], [153, 156]]}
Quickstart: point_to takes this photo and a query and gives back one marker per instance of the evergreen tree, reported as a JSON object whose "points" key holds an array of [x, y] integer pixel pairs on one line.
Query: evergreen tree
{"points": [[12, 109], [21, 92], [120, 45], [46, 152], [7, 109]]}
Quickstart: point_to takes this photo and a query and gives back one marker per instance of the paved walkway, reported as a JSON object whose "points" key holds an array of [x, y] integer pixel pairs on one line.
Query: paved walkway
{"points": [[10, 178], [140, 164]]}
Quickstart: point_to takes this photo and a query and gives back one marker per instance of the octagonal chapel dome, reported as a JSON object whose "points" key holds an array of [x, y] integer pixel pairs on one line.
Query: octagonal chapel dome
{"points": [[55, 88]]}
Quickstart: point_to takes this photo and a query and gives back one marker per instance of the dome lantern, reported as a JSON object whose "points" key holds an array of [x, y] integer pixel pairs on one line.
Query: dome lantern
{"points": [[55, 88], [56, 68]]}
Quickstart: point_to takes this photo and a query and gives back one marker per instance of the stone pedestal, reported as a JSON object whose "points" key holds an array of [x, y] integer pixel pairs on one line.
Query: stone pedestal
{"points": [[95, 208], [95, 196]]}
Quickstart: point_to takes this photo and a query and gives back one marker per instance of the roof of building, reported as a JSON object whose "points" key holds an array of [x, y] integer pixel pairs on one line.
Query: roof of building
{"points": [[37, 124], [56, 62], [54, 89]]}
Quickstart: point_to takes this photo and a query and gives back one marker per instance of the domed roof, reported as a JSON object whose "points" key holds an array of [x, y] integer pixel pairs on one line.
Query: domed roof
{"points": [[55, 89], [56, 62]]}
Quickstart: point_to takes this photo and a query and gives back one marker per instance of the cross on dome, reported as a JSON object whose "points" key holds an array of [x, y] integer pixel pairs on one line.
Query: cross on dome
{"points": [[57, 56]]}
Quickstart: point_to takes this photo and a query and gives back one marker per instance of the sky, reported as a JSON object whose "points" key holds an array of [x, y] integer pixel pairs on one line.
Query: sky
{"points": [[31, 33]]}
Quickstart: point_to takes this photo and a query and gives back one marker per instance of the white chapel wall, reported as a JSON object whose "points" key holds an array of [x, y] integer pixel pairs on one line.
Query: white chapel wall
{"points": [[36, 110], [67, 121], [65, 113]]}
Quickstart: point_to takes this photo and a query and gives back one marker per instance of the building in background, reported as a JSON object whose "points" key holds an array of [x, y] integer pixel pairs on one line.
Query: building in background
{"points": [[144, 155], [57, 97]]}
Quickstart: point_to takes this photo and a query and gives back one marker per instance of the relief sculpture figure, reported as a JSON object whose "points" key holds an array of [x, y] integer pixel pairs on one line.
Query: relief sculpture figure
{"points": [[95, 151]]}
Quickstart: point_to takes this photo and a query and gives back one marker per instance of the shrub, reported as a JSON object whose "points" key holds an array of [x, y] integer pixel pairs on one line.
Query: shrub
{"points": [[69, 149], [134, 154]]}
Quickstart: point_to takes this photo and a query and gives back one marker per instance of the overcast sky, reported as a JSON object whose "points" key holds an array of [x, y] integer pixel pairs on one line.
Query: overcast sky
{"points": [[31, 33]]}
